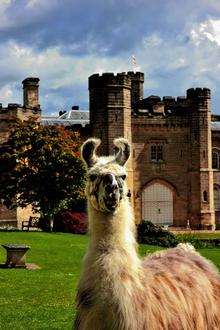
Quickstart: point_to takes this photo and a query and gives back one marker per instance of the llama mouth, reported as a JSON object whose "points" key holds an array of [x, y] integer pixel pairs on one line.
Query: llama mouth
{"points": [[111, 203]]}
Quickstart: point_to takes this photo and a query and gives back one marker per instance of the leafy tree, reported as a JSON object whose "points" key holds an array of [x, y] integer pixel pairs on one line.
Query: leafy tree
{"points": [[42, 167]]}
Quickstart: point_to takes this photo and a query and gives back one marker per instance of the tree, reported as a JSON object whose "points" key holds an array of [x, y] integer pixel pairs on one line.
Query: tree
{"points": [[42, 167]]}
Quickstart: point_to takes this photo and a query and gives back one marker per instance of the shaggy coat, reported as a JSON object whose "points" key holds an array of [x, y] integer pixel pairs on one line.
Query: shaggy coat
{"points": [[176, 289]]}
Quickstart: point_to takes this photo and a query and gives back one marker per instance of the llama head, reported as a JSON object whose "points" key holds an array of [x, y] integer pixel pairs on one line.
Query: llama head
{"points": [[106, 185]]}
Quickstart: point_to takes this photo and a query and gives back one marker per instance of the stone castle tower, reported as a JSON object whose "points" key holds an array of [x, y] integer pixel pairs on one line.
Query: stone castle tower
{"points": [[111, 97], [201, 173], [172, 147]]}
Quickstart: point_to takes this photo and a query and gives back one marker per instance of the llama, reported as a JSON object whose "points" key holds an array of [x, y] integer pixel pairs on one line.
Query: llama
{"points": [[176, 289]]}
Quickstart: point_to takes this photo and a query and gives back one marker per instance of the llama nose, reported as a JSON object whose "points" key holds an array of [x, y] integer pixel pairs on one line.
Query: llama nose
{"points": [[110, 188], [109, 179], [110, 183]]}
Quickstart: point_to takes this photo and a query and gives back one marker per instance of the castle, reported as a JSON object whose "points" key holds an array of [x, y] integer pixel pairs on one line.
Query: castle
{"points": [[174, 172]]}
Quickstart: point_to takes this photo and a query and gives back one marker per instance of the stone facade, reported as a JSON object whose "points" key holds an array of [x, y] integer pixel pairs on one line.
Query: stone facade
{"points": [[8, 115], [170, 172], [174, 170]]}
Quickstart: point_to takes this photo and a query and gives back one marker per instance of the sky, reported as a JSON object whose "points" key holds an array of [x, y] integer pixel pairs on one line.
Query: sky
{"points": [[176, 44]]}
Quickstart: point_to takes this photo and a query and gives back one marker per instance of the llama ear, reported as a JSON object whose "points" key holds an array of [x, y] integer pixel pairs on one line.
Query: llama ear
{"points": [[88, 151], [124, 151]]}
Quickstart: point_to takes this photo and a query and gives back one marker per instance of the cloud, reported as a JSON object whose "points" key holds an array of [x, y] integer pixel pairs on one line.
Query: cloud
{"points": [[35, 3], [63, 42], [189, 60], [152, 40], [63, 77], [4, 4], [105, 27], [207, 30], [6, 94]]}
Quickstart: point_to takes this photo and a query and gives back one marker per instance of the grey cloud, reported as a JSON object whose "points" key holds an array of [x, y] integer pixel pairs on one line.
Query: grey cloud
{"points": [[107, 32], [104, 27]]}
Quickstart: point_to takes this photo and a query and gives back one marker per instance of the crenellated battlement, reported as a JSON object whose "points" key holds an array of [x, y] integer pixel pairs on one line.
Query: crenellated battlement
{"points": [[31, 81], [109, 79], [14, 106], [11, 108], [166, 106], [136, 75], [193, 93], [196, 98]]}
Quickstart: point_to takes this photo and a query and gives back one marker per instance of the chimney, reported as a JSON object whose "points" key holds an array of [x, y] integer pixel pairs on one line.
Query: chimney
{"points": [[30, 92]]}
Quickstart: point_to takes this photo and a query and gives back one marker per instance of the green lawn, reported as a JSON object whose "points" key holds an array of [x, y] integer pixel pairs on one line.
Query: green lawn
{"points": [[201, 235], [44, 298]]}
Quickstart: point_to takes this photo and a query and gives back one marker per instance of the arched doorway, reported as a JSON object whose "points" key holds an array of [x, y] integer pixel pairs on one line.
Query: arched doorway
{"points": [[157, 204]]}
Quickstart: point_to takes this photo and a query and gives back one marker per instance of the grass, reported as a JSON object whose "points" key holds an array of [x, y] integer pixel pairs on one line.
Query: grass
{"points": [[212, 235], [201, 235], [44, 298]]}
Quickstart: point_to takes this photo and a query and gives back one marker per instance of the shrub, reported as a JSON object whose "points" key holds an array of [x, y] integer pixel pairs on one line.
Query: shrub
{"points": [[190, 238], [71, 222], [148, 233], [198, 242]]}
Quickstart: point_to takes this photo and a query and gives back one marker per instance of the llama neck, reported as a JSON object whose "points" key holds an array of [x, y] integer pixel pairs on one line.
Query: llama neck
{"points": [[111, 258], [113, 233]]}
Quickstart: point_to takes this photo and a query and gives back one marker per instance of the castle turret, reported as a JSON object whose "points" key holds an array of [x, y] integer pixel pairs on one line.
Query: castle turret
{"points": [[110, 111], [201, 183], [110, 108], [137, 81], [30, 92]]}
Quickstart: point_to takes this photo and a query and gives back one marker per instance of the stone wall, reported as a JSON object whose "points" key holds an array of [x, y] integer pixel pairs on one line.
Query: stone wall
{"points": [[181, 126], [173, 135]]}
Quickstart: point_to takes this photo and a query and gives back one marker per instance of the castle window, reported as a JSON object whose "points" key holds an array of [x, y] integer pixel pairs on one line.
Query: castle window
{"points": [[215, 160], [157, 153], [205, 196], [153, 153]]}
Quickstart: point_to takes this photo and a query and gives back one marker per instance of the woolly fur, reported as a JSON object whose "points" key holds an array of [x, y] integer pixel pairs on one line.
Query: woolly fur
{"points": [[176, 289]]}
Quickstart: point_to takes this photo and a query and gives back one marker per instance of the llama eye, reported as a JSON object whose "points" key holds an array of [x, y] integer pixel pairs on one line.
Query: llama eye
{"points": [[92, 177], [123, 177]]}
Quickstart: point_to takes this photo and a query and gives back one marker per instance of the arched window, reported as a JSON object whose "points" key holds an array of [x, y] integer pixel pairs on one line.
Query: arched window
{"points": [[215, 159], [205, 196]]}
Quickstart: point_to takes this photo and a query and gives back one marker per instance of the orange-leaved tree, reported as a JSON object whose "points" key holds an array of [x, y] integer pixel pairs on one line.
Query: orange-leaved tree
{"points": [[41, 166]]}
